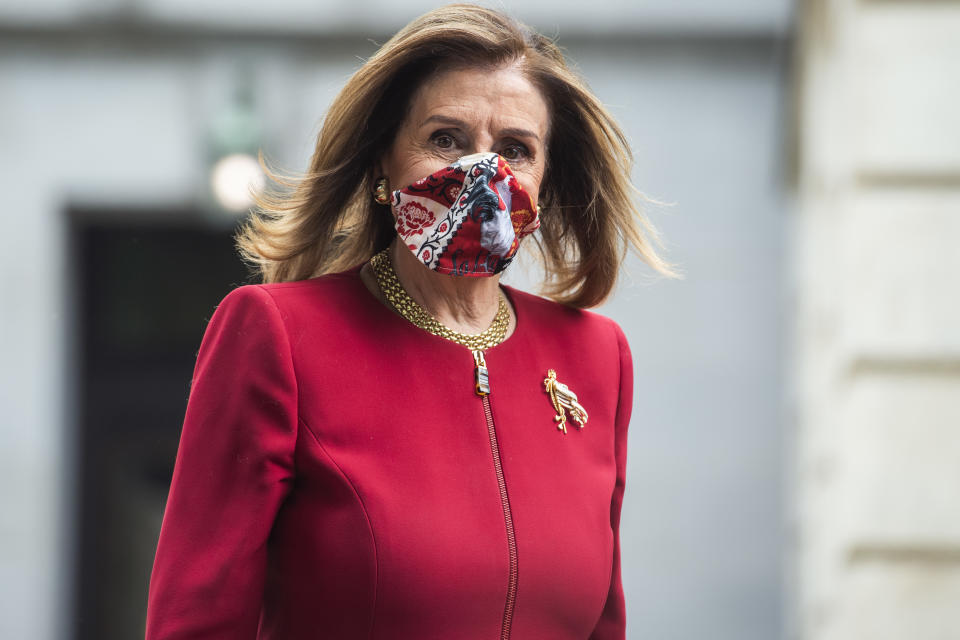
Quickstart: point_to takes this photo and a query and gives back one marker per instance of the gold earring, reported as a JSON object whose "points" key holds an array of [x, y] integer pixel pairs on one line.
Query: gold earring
{"points": [[381, 192]]}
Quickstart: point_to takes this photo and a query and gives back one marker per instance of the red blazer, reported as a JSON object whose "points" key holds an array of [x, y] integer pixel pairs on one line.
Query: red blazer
{"points": [[338, 477]]}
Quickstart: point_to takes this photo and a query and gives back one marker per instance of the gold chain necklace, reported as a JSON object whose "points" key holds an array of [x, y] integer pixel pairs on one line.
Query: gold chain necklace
{"points": [[407, 307]]}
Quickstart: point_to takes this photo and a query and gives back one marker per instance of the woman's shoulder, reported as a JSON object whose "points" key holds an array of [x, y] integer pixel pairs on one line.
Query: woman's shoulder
{"points": [[341, 284], [550, 314], [328, 295]]}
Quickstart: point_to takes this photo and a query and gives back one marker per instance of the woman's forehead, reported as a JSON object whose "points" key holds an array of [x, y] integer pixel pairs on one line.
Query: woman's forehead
{"points": [[473, 95]]}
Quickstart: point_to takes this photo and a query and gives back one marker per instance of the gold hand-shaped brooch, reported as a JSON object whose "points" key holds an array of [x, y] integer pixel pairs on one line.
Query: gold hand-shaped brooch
{"points": [[563, 400]]}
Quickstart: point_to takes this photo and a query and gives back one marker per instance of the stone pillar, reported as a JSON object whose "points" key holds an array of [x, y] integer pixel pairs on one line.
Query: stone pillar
{"points": [[876, 388]]}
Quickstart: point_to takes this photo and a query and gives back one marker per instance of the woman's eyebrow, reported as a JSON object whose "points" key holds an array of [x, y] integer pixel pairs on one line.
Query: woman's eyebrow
{"points": [[514, 132], [453, 122], [519, 133]]}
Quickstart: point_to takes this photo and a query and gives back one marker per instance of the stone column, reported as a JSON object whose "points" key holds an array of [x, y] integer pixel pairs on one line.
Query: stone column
{"points": [[876, 388]]}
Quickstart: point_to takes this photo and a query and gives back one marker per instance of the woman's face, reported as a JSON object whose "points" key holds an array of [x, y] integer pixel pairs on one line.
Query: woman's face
{"points": [[471, 110]]}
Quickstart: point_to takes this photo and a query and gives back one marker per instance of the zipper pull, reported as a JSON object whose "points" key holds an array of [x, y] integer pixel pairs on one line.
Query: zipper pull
{"points": [[481, 375]]}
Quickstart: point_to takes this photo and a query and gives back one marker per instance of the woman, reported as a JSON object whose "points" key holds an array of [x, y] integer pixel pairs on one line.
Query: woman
{"points": [[382, 441]]}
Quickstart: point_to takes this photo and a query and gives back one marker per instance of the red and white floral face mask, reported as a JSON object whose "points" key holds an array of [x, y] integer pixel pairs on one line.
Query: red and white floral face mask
{"points": [[466, 219]]}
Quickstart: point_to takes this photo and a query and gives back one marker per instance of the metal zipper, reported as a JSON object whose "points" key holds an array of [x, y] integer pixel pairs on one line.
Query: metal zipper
{"points": [[483, 390]]}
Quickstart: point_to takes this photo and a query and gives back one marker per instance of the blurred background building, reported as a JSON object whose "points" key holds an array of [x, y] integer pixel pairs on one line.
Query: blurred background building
{"points": [[876, 391], [794, 460]]}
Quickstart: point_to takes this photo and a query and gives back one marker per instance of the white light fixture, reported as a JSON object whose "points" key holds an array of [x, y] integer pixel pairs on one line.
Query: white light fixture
{"points": [[234, 179], [234, 140]]}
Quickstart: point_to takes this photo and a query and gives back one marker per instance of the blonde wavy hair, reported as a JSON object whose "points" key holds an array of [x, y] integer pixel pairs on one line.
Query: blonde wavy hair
{"points": [[326, 221]]}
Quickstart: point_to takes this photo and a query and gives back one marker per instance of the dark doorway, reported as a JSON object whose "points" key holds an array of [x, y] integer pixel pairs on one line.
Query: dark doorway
{"points": [[145, 285]]}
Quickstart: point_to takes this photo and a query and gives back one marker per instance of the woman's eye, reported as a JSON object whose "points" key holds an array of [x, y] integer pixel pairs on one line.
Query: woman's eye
{"points": [[444, 141], [514, 152]]}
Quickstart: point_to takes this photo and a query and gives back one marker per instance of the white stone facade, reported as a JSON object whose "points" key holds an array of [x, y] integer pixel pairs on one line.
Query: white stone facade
{"points": [[877, 352]]}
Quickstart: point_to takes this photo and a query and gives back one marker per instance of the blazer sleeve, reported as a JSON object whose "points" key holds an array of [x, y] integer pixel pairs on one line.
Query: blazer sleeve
{"points": [[612, 624], [234, 467]]}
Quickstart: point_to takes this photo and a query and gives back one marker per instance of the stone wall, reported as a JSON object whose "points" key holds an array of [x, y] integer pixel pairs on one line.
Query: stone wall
{"points": [[877, 325]]}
